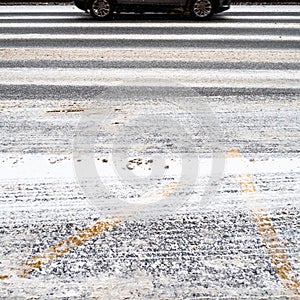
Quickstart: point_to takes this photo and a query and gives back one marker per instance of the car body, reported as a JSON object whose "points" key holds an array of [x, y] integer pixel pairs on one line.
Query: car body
{"points": [[198, 9]]}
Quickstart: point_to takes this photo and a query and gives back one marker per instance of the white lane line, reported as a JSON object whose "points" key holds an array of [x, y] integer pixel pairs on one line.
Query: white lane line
{"points": [[269, 17], [77, 17], [155, 37], [38, 9], [151, 54], [154, 77], [42, 17], [155, 25], [264, 8]]}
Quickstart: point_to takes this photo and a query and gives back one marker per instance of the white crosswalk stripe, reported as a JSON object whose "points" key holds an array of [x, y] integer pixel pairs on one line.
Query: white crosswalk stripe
{"points": [[190, 78], [159, 25], [151, 37]]}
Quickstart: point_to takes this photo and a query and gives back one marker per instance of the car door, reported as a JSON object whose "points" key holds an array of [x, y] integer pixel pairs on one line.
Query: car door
{"points": [[153, 2]]}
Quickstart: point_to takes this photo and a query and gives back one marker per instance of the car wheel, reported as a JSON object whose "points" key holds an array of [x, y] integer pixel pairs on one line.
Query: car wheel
{"points": [[202, 9], [101, 9]]}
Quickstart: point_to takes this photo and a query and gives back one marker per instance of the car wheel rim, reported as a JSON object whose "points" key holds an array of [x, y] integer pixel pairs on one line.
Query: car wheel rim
{"points": [[101, 8], [202, 8]]}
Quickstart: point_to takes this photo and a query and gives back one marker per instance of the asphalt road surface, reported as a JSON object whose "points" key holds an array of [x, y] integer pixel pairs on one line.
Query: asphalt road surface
{"points": [[149, 157]]}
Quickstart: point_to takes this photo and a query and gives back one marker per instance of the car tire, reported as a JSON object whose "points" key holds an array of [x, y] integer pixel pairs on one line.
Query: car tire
{"points": [[202, 9], [101, 9]]}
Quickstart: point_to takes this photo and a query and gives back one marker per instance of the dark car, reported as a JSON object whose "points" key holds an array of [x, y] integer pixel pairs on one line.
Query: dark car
{"points": [[198, 9]]}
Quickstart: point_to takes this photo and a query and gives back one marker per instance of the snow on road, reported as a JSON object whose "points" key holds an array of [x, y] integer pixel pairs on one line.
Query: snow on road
{"points": [[214, 129]]}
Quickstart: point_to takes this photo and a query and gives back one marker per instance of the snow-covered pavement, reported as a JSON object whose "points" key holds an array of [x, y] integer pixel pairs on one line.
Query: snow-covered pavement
{"points": [[149, 158]]}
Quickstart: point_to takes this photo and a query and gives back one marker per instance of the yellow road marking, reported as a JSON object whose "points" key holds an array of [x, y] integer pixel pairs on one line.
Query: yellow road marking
{"points": [[165, 191], [72, 242], [170, 188], [274, 245], [65, 246], [265, 227], [61, 248]]}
